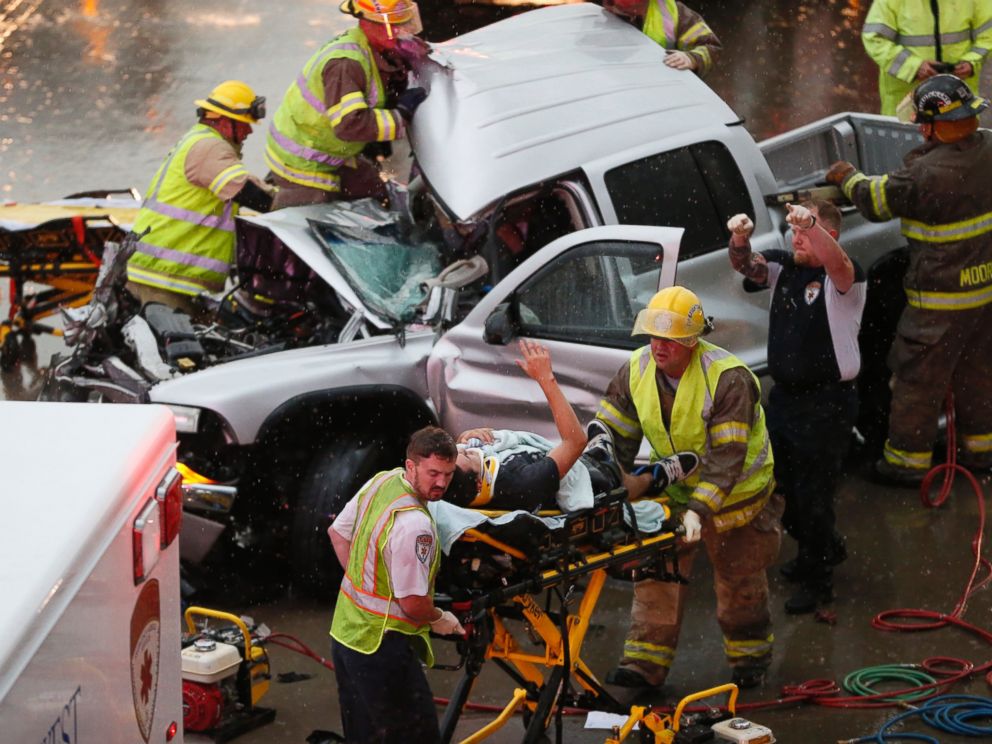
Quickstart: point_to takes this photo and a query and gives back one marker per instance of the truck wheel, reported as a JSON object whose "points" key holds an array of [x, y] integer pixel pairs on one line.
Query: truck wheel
{"points": [[335, 475]]}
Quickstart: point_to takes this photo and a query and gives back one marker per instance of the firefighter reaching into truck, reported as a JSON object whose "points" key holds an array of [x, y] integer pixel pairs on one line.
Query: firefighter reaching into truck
{"points": [[689, 42], [350, 94], [681, 392], [387, 543], [944, 337], [185, 227]]}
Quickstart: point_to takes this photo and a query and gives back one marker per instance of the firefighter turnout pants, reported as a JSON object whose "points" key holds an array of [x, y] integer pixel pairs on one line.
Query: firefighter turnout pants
{"points": [[936, 351], [740, 558]]}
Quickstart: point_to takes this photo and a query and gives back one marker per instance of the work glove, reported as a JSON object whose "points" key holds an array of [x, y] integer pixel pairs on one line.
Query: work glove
{"points": [[680, 60], [838, 172], [799, 217], [447, 624], [409, 100], [740, 224], [692, 525]]}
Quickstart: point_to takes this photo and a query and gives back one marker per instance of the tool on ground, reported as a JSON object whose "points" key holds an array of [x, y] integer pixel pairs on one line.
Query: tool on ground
{"points": [[495, 579], [225, 674]]}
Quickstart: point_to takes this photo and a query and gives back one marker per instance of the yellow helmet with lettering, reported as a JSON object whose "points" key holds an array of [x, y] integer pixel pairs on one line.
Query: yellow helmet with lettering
{"points": [[674, 313], [234, 100], [391, 13]]}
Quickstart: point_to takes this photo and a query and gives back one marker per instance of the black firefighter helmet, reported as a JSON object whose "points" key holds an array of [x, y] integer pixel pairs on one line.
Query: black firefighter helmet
{"points": [[945, 98]]}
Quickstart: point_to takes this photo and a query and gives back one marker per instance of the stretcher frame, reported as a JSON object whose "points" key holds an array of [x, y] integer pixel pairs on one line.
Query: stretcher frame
{"points": [[63, 255], [558, 678]]}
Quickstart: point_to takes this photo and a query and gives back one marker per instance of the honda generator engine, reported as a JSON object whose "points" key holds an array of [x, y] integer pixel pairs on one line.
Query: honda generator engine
{"points": [[225, 673]]}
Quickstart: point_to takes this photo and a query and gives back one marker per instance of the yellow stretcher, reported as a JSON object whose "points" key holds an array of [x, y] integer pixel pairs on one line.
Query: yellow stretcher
{"points": [[51, 255], [494, 583]]}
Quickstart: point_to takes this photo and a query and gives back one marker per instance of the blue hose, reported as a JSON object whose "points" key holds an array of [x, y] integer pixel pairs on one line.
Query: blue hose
{"points": [[949, 714]]}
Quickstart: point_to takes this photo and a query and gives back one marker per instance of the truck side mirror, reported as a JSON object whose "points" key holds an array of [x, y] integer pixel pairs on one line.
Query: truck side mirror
{"points": [[501, 326]]}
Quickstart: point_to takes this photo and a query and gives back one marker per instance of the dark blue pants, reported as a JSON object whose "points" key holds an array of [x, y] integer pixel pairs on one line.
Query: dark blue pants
{"points": [[384, 696], [810, 431]]}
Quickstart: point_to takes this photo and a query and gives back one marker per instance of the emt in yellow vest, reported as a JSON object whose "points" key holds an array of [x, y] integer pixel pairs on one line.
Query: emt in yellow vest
{"points": [[192, 201], [387, 543], [690, 43], [351, 93], [912, 40], [683, 393]]}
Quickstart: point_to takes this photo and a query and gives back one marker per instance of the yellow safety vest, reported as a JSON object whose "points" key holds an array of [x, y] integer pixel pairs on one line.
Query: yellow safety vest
{"points": [[366, 608], [190, 246], [690, 430], [301, 145], [900, 34]]}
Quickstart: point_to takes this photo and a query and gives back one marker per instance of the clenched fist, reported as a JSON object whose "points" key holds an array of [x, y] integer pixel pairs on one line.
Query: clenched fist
{"points": [[740, 224], [838, 172]]}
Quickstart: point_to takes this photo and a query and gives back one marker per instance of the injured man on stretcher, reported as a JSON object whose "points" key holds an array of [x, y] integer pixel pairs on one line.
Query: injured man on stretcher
{"points": [[518, 470]]}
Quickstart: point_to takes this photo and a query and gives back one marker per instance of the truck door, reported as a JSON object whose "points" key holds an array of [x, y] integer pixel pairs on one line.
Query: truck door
{"points": [[699, 187], [578, 296]]}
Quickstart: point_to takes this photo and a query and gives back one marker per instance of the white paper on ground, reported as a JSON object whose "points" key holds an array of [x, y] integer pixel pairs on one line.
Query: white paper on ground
{"points": [[598, 719]]}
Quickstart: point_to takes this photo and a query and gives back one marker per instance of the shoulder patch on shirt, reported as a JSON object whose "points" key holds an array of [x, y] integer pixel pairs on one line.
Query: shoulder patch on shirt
{"points": [[812, 292], [423, 547]]}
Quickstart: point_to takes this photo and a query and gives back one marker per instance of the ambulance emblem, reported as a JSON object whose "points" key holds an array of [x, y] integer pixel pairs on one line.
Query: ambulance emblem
{"points": [[812, 292], [424, 545], [146, 632]]}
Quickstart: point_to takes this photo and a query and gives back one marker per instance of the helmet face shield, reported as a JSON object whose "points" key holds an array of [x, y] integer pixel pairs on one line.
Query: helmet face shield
{"points": [[405, 22], [233, 100]]}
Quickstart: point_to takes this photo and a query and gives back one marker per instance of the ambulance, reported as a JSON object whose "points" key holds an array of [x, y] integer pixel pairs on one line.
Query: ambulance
{"points": [[90, 615]]}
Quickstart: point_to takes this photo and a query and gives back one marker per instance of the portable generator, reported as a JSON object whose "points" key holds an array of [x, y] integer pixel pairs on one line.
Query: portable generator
{"points": [[225, 674]]}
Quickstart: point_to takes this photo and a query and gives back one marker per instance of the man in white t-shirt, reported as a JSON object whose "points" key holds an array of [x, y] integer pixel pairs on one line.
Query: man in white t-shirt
{"points": [[817, 298], [386, 541]]}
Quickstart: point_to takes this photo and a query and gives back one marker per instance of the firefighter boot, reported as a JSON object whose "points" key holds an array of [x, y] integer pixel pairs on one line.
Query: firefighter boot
{"points": [[812, 592]]}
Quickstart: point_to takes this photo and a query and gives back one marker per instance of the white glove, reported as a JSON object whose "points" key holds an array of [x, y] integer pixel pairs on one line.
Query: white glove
{"points": [[447, 624], [740, 224], [799, 217], [680, 60], [692, 525]]}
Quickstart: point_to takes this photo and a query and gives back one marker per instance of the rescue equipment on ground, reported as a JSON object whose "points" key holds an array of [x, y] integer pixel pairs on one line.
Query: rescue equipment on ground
{"points": [[225, 674]]}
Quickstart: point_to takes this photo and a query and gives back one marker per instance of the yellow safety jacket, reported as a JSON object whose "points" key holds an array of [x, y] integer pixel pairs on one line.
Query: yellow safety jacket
{"points": [[661, 25], [301, 145], [901, 34], [691, 430], [366, 608], [190, 246]]}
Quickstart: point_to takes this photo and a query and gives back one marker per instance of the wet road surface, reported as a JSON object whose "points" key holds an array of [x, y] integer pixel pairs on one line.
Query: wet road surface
{"points": [[93, 93]]}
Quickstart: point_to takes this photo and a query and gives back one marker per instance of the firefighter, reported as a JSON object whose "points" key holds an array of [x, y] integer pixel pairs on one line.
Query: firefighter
{"points": [[683, 393], [913, 40], [387, 543], [192, 201], [689, 42], [944, 338], [340, 104]]}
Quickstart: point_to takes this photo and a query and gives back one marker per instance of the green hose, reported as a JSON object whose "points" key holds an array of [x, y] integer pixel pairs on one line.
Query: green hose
{"points": [[863, 681]]}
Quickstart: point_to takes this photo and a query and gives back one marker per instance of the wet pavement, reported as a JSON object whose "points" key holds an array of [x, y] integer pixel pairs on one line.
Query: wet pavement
{"points": [[901, 555], [93, 93]]}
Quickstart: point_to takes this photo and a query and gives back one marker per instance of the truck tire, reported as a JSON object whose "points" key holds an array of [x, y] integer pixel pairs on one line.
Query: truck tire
{"points": [[335, 474]]}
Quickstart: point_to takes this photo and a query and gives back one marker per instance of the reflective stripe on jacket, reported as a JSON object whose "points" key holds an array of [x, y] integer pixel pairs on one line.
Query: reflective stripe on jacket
{"points": [[302, 146], [900, 34], [366, 607], [691, 430], [190, 246], [944, 197], [674, 26]]}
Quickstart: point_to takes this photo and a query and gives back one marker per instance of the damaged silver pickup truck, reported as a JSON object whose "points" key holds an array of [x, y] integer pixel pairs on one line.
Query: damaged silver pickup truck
{"points": [[557, 146]]}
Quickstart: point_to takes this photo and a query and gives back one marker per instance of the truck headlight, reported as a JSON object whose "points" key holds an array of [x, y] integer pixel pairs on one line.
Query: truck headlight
{"points": [[187, 418]]}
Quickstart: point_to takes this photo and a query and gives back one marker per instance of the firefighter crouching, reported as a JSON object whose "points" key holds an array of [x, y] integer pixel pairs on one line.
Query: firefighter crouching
{"points": [[683, 393], [192, 201], [943, 195]]}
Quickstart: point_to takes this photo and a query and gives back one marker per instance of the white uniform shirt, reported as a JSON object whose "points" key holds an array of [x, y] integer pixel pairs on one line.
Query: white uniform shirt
{"points": [[408, 553]]}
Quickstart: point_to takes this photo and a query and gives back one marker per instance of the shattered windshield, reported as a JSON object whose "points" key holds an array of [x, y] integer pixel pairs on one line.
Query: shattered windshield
{"points": [[370, 246]]}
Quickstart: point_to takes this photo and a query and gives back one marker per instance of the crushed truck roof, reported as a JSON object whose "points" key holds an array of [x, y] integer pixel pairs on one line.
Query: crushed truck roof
{"points": [[542, 94]]}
